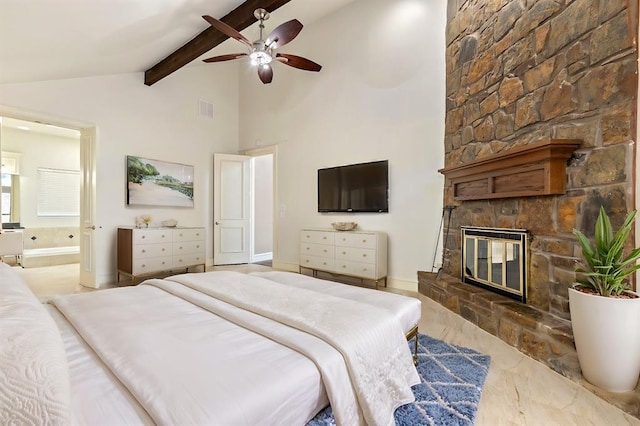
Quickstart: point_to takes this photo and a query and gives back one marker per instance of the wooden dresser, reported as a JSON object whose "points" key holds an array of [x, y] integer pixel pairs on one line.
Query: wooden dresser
{"points": [[143, 252], [360, 254]]}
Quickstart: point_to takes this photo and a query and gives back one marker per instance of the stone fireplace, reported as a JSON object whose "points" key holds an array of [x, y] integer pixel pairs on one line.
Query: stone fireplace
{"points": [[519, 73]]}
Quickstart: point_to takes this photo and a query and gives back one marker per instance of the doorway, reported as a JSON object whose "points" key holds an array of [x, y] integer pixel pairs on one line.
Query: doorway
{"points": [[262, 208], [264, 195], [245, 190], [67, 170]]}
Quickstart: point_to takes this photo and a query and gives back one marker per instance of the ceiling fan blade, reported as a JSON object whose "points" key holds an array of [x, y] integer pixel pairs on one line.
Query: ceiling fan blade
{"points": [[298, 62], [222, 58], [226, 29], [265, 72], [283, 34]]}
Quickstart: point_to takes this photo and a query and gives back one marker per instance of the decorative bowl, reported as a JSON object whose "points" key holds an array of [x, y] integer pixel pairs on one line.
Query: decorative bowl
{"points": [[171, 223], [344, 226]]}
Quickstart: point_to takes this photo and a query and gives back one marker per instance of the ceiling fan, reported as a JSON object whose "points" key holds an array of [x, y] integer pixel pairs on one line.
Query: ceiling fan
{"points": [[262, 52]]}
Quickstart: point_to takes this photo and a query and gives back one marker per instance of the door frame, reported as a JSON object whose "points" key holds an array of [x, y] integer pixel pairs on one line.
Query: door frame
{"points": [[86, 143], [257, 152]]}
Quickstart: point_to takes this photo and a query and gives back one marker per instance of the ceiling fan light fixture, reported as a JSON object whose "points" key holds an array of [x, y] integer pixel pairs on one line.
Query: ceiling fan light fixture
{"points": [[263, 52], [260, 58]]}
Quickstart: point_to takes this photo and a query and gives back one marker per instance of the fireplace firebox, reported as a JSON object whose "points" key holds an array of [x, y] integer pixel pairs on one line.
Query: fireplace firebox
{"points": [[495, 259]]}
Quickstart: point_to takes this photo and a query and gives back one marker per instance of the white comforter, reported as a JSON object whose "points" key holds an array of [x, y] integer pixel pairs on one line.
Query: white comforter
{"points": [[146, 350], [370, 339]]}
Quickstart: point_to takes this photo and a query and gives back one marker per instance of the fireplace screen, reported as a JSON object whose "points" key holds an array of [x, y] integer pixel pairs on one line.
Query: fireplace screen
{"points": [[495, 259]]}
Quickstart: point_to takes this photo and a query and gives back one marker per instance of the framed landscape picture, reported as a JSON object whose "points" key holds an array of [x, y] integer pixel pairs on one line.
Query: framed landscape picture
{"points": [[158, 183]]}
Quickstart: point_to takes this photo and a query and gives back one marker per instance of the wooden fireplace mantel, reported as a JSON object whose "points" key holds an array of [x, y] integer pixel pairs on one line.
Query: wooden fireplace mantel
{"points": [[536, 169]]}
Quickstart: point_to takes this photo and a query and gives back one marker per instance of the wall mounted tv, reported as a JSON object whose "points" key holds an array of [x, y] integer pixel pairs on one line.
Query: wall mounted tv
{"points": [[354, 188]]}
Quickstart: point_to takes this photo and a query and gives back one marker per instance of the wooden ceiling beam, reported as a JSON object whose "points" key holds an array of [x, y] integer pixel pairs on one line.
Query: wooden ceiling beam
{"points": [[239, 18]]}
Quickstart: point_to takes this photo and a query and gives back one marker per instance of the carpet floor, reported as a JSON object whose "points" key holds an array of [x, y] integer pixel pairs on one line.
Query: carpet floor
{"points": [[451, 384]]}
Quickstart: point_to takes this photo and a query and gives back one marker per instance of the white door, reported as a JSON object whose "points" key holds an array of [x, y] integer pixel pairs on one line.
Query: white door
{"points": [[231, 212], [88, 207]]}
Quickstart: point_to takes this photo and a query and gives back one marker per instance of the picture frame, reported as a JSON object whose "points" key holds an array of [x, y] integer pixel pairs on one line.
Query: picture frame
{"points": [[158, 183]]}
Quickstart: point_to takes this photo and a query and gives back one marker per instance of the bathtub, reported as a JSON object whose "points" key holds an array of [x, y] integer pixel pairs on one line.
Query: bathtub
{"points": [[49, 256]]}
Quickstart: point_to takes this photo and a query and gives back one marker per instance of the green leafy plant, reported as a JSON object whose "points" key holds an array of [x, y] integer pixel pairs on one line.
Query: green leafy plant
{"points": [[606, 267]]}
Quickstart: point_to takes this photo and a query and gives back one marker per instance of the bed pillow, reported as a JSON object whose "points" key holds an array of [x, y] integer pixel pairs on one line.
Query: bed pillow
{"points": [[34, 376]]}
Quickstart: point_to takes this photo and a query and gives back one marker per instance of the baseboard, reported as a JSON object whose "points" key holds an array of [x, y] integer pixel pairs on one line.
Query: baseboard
{"points": [[261, 257]]}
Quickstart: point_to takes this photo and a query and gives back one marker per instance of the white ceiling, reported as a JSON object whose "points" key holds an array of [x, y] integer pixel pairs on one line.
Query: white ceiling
{"points": [[42, 128], [59, 39]]}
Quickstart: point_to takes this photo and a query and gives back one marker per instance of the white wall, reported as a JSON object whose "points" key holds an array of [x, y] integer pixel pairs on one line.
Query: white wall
{"points": [[40, 150], [380, 95], [159, 122]]}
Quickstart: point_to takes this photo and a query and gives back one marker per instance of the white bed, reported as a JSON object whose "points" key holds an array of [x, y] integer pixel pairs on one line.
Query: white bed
{"points": [[169, 352]]}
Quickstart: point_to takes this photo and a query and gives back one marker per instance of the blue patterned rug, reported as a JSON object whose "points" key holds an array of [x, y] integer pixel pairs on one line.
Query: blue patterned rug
{"points": [[452, 380]]}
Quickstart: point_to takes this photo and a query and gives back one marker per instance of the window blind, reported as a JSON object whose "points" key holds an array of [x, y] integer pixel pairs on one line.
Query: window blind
{"points": [[58, 192]]}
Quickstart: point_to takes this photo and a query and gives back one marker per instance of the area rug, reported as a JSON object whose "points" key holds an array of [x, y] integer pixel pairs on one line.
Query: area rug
{"points": [[452, 379]]}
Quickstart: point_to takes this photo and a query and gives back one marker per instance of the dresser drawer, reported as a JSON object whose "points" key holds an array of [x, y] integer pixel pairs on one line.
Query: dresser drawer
{"points": [[317, 237], [360, 240], [319, 250], [356, 254], [188, 234], [184, 260], [145, 251], [152, 264], [315, 262], [151, 236], [188, 247], [358, 269]]}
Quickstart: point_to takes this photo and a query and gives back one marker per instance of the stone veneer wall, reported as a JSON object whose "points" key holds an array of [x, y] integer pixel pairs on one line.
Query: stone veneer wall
{"points": [[522, 71]]}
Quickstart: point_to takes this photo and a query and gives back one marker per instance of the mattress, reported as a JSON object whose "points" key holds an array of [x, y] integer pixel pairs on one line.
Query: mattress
{"points": [[407, 310]]}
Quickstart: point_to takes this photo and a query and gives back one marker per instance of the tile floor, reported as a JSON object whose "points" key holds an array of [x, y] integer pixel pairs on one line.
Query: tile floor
{"points": [[518, 390]]}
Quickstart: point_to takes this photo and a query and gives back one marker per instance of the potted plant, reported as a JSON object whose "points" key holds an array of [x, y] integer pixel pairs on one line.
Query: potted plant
{"points": [[605, 313]]}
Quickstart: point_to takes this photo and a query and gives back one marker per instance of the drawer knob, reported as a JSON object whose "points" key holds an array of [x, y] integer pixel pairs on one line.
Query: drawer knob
{"points": [[197, 234], [308, 236], [143, 265], [364, 255], [180, 260], [163, 249], [180, 247], [344, 239], [198, 246], [308, 248], [307, 260], [344, 266], [144, 251], [324, 238], [344, 252], [325, 250], [364, 241], [163, 262], [181, 235], [324, 263], [162, 235], [143, 237]]}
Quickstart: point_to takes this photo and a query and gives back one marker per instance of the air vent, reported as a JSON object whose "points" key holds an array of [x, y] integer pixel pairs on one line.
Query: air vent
{"points": [[205, 109]]}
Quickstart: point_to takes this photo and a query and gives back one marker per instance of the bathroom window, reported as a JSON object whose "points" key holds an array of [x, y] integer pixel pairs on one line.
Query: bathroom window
{"points": [[58, 192]]}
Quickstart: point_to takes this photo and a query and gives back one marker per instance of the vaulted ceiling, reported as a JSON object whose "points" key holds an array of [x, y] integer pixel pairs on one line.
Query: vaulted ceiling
{"points": [[49, 40]]}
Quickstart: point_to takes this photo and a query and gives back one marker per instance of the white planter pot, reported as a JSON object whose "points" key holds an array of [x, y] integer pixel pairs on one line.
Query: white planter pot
{"points": [[607, 336]]}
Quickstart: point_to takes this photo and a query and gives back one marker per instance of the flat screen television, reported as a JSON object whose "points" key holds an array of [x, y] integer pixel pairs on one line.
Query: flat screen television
{"points": [[354, 188]]}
